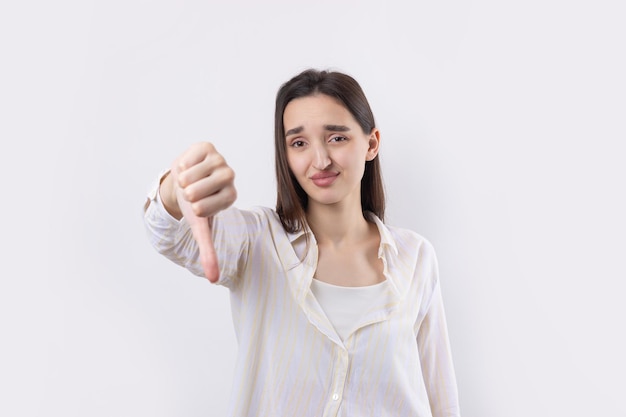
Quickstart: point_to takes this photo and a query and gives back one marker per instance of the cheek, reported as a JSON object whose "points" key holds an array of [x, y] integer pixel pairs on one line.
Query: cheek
{"points": [[295, 163], [355, 159]]}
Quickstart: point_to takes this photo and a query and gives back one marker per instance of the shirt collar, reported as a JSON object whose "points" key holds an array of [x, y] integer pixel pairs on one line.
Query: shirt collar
{"points": [[295, 236], [386, 239], [387, 251]]}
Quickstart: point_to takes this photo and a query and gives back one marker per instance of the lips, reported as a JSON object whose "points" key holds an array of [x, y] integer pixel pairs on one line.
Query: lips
{"points": [[324, 179]]}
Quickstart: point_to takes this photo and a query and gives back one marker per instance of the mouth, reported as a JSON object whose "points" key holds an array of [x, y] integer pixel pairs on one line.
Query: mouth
{"points": [[324, 179]]}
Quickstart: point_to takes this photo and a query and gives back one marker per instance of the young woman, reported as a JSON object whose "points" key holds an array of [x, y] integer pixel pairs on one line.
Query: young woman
{"points": [[336, 313]]}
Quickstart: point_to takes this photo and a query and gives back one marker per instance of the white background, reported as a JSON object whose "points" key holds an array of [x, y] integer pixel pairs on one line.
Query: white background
{"points": [[503, 127]]}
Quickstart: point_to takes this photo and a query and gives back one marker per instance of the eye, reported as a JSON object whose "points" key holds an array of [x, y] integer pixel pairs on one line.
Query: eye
{"points": [[297, 144], [338, 139]]}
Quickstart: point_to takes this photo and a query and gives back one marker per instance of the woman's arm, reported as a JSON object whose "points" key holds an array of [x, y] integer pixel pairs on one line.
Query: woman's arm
{"points": [[199, 185], [433, 342], [436, 359]]}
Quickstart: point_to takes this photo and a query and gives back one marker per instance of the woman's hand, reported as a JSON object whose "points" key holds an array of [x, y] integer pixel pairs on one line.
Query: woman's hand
{"points": [[200, 185]]}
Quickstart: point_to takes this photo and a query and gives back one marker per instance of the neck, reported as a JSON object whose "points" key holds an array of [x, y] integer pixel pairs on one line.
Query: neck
{"points": [[333, 224]]}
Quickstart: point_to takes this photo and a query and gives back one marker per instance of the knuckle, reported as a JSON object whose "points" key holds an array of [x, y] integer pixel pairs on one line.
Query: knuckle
{"points": [[218, 160], [189, 194], [182, 180], [230, 175], [197, 209], [207, 147]]}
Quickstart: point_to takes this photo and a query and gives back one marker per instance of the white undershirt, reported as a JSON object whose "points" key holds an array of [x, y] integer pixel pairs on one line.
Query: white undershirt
{"points": [[345, 305]]}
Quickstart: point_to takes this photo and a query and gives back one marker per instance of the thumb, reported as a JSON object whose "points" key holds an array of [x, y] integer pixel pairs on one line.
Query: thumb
{"points": [[201, 231]]}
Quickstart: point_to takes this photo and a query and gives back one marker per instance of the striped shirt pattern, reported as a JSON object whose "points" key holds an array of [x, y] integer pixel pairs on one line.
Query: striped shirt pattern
{"points": [[291, 362]]}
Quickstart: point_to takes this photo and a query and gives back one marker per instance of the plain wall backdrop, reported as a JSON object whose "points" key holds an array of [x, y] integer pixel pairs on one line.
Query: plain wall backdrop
{"points": [[503, 131]]}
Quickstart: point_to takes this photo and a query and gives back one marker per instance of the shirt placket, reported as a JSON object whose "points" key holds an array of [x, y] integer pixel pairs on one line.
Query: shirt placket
{"points": [[340, 374]]}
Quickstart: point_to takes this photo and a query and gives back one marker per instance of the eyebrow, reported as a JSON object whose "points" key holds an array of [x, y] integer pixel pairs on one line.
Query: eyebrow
{"points": [[331, 128]]}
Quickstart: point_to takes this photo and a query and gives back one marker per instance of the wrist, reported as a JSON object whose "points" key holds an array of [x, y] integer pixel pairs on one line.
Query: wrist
{"points": [[167, 192]]}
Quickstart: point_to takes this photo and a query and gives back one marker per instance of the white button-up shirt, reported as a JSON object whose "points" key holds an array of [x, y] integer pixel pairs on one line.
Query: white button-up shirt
{"points": [[291, 362]]}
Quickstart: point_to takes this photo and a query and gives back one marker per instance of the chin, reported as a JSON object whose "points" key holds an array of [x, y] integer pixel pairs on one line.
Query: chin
{"points": [[326, 200]]}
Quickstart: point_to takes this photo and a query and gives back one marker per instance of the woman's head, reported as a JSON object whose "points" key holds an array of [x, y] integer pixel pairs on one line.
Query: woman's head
{"points": [[292, 200]]}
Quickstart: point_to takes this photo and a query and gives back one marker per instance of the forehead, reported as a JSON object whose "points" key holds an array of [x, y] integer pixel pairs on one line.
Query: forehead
{"points": [[318, 108]]}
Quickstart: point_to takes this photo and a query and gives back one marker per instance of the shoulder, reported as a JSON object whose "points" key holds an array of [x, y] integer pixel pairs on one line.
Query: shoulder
{"points": [[257, 213], [255, 219], [410, 258], [412, 247], [404, 242], [409, 238]]}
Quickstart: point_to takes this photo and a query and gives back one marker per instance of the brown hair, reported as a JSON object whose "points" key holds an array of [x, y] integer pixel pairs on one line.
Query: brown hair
{"points": [[291, 201]]}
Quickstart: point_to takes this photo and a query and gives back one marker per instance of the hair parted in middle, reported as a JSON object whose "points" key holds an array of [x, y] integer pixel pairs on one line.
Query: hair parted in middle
{"points": [[292, 200]]}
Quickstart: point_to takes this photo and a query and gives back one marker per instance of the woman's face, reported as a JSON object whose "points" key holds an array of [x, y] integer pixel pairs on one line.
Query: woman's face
{"points": [[327, 149]]}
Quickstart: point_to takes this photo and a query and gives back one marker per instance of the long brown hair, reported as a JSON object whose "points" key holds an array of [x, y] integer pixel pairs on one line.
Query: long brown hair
{"points": [[292, 200]]}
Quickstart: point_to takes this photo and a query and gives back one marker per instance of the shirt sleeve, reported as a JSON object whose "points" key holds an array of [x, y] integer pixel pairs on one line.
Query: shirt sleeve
{"points": [[436, 356], [173, 239], [170, 237]]}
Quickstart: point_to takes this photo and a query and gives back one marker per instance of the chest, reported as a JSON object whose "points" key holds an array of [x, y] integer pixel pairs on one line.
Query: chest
{"points": [[355, 266]]}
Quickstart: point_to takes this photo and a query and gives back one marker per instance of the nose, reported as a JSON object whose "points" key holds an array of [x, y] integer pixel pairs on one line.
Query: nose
{"points": [[321, 159]]}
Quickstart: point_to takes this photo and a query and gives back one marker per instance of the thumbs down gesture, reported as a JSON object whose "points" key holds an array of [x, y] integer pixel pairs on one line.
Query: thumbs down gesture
{"points": [[200, 185]]}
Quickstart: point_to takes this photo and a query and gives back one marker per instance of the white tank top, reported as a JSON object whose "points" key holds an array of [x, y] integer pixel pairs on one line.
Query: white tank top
{"points": [[345, 305]]}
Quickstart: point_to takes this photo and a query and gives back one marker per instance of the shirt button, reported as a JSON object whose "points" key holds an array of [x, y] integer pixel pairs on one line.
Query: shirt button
{"points": [[335, 397]]}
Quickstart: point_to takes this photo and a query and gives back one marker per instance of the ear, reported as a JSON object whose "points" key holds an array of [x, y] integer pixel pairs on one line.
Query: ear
{"points": [[374, 144]]}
